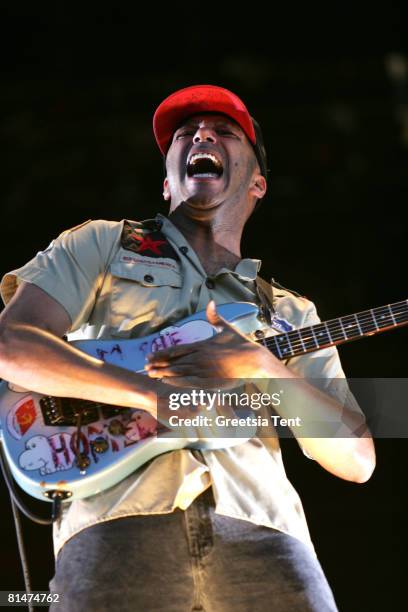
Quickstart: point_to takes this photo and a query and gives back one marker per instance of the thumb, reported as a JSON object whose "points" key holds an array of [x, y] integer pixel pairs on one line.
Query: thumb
{"points": [[214, 318]]}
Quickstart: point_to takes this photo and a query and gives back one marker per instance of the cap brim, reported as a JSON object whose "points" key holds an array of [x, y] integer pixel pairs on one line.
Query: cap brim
{"points": [[194, 100]]}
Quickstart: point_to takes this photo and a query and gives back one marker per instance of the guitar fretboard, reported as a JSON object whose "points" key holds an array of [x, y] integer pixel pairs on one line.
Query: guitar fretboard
{"points": [[337, 331]]}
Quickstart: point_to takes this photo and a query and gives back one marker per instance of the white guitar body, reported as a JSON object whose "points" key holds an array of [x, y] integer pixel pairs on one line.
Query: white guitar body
{"points": [[42, 456]]}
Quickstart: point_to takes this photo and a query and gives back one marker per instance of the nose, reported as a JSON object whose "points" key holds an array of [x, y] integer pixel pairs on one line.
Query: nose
{"points": [[204, 134]]}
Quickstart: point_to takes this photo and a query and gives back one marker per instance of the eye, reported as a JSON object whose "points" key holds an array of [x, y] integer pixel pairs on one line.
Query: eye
{"points": [[227, 132], [184, 133]]}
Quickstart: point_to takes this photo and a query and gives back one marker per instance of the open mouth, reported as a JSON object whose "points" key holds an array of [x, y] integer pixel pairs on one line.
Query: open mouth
{"points": [[204, 165]]}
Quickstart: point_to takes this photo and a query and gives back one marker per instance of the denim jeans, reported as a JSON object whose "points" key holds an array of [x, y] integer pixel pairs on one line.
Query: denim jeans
{"points": [[188, 560]]}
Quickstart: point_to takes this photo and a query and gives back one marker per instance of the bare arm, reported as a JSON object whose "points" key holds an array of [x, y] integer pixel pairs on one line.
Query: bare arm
{"points": [[351, 456], [33, 355]]}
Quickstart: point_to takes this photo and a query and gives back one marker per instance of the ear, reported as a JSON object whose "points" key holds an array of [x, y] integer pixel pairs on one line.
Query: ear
{"points": [[166, 189], [258, 186]]}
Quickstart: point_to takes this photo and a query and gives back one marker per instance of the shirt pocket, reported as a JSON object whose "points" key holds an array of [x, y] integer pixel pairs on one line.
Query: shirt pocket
{"points": [[147, 275], [143, 297]]}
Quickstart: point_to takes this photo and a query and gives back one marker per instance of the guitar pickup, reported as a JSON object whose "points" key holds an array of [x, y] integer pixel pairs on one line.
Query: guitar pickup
{"points": [[64, 411]]}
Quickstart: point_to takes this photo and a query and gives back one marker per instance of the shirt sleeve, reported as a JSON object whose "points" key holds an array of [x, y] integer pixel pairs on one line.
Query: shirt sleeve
{"points": [[71, 269], [323, 367]]}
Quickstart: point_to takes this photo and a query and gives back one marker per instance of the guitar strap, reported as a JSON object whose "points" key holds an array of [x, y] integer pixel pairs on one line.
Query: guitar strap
{"points": [[266, 299]]}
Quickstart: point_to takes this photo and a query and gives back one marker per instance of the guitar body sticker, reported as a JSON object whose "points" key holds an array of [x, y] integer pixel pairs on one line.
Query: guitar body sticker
{"points": [[57, 452], [281, 324], [21, 417], [48, 455]]}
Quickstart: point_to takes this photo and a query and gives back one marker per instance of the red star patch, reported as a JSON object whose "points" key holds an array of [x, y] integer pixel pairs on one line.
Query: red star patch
{"points": [[147, 244]]}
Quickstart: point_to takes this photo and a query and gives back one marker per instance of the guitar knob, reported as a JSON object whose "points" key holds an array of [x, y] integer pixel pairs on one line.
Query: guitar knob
{"points": [[100, 445], [82, 462], [116, 428], [259, 334]]}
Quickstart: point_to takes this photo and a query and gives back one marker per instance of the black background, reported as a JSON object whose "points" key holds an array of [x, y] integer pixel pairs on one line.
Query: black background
{"points": [[78, 92]]}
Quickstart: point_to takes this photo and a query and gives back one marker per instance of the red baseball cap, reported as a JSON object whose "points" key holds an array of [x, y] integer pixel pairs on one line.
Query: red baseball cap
{"points": [[194, 100]]}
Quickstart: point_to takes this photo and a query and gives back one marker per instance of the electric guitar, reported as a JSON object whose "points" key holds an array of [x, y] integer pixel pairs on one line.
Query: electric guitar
{"points": [[47, 450]]}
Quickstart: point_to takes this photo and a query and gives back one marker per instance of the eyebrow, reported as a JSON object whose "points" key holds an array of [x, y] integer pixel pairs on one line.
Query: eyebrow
{"points": [[217, 124]]}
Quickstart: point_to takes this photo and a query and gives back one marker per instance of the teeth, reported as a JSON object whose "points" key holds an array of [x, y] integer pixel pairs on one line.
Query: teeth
{"points": [[210, 156], [206, 175]]}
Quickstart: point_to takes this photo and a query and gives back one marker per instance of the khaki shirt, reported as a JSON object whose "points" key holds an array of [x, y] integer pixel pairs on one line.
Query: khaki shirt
{"points": [[110, 291]]}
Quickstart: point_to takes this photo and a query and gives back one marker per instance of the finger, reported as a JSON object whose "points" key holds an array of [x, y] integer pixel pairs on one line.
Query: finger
{"points": [[212, 315], [172, 371], [216, 319], [163, 361], [174, 352]]}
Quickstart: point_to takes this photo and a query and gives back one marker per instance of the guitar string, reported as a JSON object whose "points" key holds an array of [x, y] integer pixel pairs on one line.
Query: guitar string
{"points": [[367, 318], [340, 333], [295, 337], [342, 325], [298, 348]]}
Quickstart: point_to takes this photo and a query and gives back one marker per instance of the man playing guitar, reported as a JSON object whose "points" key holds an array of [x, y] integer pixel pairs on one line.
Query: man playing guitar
{"points": [[190, 530]]}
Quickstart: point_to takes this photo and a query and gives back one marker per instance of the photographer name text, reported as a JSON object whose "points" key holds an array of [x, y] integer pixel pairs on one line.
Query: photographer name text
{"points": [[224, 421]]}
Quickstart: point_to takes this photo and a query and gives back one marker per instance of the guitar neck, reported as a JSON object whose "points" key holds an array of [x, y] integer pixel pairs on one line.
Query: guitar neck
{"points": [[337, 331]]}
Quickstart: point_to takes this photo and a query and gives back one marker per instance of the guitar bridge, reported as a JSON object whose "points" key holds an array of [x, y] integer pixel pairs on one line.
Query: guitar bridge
{"points": [[64, 411]]}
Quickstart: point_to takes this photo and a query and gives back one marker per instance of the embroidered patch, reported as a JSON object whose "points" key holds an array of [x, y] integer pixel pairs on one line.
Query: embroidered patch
{"points": [[280, 324], [150, 261], [140, 240]]}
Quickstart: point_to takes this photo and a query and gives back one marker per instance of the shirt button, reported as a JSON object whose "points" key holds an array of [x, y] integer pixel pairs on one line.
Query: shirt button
{"points": [[148, 278], [184, 249], [210, 283]]}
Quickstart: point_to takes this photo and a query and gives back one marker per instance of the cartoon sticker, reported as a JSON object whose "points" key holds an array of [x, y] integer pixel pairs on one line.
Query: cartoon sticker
{"points": [[50, 454]]}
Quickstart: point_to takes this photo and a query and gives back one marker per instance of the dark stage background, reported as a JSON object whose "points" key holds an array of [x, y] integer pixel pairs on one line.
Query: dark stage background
{"points": [[330, 90]]}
